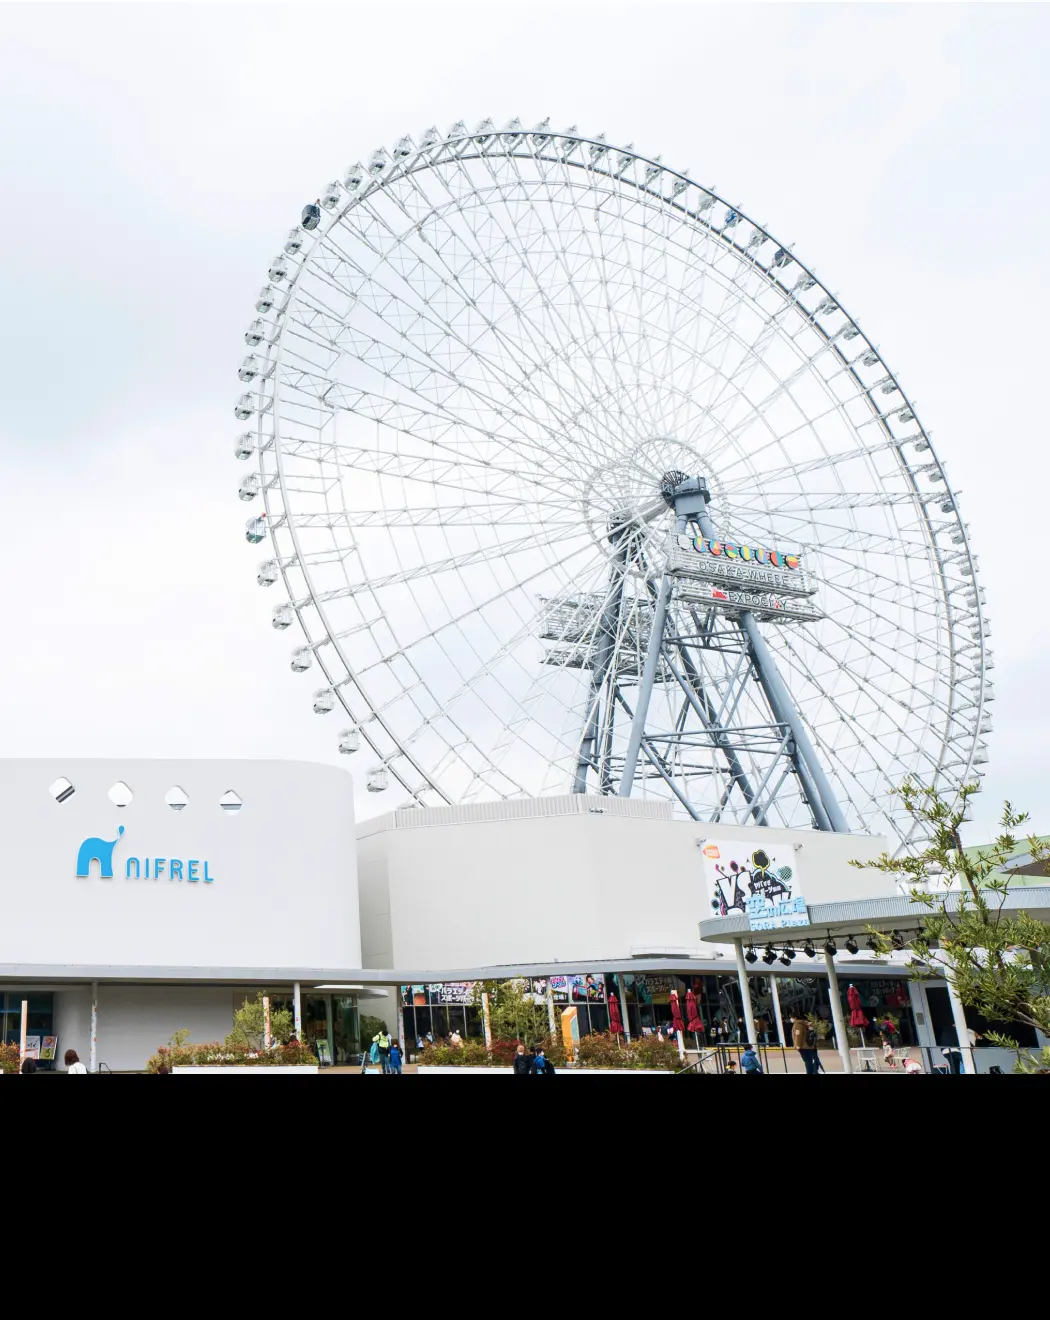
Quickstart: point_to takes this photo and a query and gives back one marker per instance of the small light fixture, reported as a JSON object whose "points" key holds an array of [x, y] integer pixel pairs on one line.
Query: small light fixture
{"points": [[809, 950], [789, 952], [851, 945], [785, 959], [830, 947], [751, 956], [897, 940], [872, 943], [769, 957]]}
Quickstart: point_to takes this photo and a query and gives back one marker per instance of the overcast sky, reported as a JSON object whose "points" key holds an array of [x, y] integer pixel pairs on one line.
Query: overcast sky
{"points": [[151, 159]]}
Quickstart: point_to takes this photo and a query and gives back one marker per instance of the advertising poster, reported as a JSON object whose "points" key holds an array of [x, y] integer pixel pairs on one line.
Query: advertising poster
{"points": [[48, 1048], [754, 878], [649, 989], [452, 992], [560, 989], [588, 988], [414, 996], [32, 1047]]}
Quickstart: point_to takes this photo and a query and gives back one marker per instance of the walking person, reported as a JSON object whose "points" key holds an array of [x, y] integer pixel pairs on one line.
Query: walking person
{"points": [[801, 1033], [395, 1057], [381, 1040], [541, 1065], [750, 1061], [72, 1062], [522, 1063]]}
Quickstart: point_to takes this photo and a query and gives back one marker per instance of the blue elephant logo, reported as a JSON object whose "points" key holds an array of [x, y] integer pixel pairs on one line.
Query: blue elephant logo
{"points": [[97, 850]]}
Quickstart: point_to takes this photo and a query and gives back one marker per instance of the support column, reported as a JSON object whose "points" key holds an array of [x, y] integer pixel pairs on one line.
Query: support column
{"points": [[297, 1006], [485, 1020], [776, 1011], [22, 1034], [645, 687], [93, 1042], [604, 654], [550, 1006], [623, 1008], [826, 811], [841, 1039], [329, 1026], [745, 993], [959, 1018]]}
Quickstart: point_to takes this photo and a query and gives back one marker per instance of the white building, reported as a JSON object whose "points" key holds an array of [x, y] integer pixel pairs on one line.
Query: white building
{"points": [[185, 905], [143, 897], [573, 880]]}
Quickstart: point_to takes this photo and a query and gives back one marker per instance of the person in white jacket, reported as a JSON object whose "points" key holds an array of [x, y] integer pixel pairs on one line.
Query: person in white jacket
{"points": [[72, 1062]]}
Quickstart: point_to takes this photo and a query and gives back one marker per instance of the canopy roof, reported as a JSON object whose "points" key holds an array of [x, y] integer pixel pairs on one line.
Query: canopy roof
{"points": [[855, 917]]}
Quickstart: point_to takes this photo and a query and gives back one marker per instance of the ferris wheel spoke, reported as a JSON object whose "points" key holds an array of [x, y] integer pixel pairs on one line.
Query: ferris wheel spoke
{"points": [[495, 370], [835, 705], [547, 351]]}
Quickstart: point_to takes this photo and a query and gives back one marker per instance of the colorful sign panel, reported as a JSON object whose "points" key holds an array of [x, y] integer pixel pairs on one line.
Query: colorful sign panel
{"points": [[746, 553], [756, 878]]}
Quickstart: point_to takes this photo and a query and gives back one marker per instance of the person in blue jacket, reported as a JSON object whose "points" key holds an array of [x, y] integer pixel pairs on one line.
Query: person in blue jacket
{"points": [[395, 1057], [750, 1061]]}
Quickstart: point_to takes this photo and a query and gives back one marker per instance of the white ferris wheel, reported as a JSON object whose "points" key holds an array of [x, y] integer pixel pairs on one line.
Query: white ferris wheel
{"points": [[576, 479]]}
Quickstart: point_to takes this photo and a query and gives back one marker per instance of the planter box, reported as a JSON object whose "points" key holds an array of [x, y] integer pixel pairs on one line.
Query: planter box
{"points": [[562, 1072], [243, 1068]]}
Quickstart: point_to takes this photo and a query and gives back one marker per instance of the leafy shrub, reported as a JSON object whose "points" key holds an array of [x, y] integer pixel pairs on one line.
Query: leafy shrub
{"points": [[249, 1024], [605, 1050], [370, 1026], [471, 1054], [10, 1058], [594, 1051], [181, 1054]]}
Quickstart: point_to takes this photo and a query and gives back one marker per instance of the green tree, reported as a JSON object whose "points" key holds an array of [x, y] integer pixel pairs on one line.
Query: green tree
{"points": [[513, 1012], [998, 961], [249, 1024], [370, 1026]]}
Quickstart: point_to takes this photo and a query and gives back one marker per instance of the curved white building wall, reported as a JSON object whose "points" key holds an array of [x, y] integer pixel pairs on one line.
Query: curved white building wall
{"points": [[574, 878], [272, 885]]}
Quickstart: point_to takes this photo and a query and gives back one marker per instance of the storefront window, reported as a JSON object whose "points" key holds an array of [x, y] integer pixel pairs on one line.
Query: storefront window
{"points": [[346, 1029], [40, 1040]]}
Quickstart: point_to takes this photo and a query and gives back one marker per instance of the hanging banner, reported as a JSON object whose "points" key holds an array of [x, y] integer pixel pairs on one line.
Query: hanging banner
{"points": [[757, 879]]}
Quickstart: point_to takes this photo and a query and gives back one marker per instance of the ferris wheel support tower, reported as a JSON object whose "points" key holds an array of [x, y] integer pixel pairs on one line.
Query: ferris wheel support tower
{"points": [[690, 499]]}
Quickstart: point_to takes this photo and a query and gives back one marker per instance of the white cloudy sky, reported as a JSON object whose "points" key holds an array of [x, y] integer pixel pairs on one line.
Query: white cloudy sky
{"points": [[152, 157]]}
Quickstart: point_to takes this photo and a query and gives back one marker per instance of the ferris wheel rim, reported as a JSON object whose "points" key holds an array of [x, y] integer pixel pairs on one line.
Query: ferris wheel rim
{"points": [[467, 146]]}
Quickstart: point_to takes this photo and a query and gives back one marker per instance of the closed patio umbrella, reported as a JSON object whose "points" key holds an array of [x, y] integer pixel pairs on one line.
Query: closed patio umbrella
{"points": [[857, 1016], [615, 1022], [694, 1022], [676, 1022]]}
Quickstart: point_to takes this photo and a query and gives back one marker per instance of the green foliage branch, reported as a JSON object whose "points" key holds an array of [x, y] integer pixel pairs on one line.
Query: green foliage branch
{"points": [[997, 960]]}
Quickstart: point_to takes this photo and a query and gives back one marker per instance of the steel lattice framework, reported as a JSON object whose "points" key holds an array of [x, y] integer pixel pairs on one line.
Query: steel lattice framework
{"points": [[475, 367]]}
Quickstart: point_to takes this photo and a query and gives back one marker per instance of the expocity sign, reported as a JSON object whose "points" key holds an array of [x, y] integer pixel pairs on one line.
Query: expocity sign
{"points": [[171, 868], [744, 577]]}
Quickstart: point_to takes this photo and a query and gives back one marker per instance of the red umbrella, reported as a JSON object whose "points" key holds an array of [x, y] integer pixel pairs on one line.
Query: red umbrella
{"points": [[695, 1022], [615, 1023], [676, 1012], [857, 1016]]}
